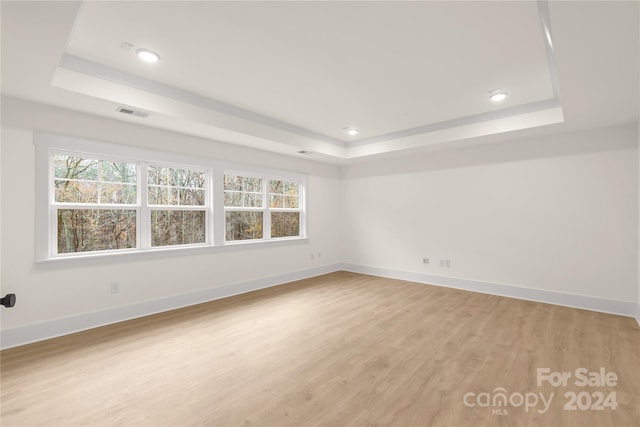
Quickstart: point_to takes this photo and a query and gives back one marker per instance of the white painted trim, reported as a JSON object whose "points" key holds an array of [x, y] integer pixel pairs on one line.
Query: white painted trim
{"points": [[90, 78], [47, 144], [41, 331], [55, 328], [622, 308], [93, 69]]}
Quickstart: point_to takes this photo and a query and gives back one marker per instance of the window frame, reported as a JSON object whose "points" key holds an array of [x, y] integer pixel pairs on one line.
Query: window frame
{"points": [[55, 206], [300, 208], [265, 230], [47, 145], [266, 209], [148, 208]]}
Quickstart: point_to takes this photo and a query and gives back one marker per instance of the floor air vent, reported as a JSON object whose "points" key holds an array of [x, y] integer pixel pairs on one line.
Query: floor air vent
{"points": [[131, 112]]}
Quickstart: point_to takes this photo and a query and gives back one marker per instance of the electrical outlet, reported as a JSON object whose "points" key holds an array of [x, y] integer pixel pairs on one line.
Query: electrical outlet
{"points": [[115, 287], [446, 263], [319, 255], [311, 256], [426, 260]]}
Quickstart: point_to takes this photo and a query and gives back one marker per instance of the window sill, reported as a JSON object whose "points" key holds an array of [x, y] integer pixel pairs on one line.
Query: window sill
{"points": [[169, 252]]}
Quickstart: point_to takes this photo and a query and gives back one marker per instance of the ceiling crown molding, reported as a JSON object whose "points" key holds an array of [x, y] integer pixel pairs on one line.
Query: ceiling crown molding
{"points": [[198, 114]]}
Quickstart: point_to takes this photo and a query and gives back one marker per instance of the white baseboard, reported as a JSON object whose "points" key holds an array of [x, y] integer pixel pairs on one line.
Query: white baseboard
{"points": [[41, 331], [623, 308], [55, 328]]}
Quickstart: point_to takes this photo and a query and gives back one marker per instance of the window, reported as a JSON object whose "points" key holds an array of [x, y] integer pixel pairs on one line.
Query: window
{"points": [[248, 216], [284, 204], [96, 199], [243, 206], [178, 206], [95, 204]]}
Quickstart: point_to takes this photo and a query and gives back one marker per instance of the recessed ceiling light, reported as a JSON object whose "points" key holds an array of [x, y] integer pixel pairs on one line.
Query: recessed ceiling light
{"points": [[497, 95], [147, 56], [352, 131]]}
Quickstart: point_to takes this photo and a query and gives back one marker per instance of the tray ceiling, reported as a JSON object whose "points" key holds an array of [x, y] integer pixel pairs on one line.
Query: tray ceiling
{"points": [[291, 76]]}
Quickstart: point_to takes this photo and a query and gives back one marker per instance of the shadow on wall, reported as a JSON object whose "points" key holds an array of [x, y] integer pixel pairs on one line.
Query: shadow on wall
{"points": [[481, 152]]}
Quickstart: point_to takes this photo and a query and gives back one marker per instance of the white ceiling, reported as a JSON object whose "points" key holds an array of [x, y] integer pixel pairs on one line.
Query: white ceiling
{"points": [[289, 76]]}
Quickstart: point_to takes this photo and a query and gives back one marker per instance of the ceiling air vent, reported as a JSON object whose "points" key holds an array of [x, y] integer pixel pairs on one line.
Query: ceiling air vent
{"points": [[131, 112]]}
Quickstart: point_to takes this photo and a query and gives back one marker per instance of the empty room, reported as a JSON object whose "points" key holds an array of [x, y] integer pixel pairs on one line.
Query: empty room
{"points": [[320, 213]]}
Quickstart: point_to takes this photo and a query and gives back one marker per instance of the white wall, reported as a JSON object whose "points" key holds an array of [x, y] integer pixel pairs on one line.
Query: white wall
{"points": [[556, 214], [73, 287]]}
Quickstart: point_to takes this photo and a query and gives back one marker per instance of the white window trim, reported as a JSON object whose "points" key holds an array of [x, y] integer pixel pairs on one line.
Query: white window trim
{"points": [[266, 209], [147, 208], [55, 206], [46, 144]]}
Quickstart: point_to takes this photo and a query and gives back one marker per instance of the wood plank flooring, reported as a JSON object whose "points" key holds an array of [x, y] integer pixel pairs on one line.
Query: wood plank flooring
{"points": [[341, 349]]}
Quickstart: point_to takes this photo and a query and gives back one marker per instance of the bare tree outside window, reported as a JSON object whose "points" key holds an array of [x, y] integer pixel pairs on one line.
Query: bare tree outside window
{"points": [[243, 201], [243, 225], [284, 202], [107, 204], [177, 200], [85, 230], [91, 196]]}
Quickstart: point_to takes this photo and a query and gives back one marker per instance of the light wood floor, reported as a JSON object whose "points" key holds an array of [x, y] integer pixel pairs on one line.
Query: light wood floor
{"points": [[337, 350]]}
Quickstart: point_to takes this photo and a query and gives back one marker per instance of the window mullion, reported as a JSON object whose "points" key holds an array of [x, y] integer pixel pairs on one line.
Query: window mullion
{"points": [[179, 223], [53, 211], [54, 230], [302, 207], [144, 212], [217, 209], [266, 216]]}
